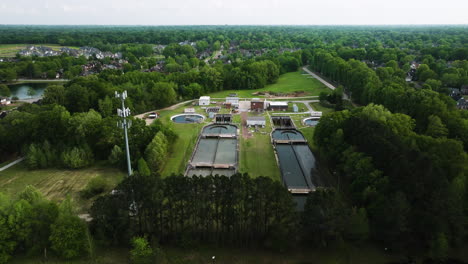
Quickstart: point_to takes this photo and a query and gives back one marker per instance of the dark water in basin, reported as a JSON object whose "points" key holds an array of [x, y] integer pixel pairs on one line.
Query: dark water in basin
{"points": [[286, 134], [311, 122], [220, 129], [187, 119]]}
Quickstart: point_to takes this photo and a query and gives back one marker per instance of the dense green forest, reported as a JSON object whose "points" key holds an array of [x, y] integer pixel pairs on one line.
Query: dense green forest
{"points": [[400, 154]]}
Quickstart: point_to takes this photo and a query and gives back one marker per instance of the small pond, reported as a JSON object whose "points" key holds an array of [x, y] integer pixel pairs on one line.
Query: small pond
{"points": [[21, 90], [187, 118], [310, 121]]}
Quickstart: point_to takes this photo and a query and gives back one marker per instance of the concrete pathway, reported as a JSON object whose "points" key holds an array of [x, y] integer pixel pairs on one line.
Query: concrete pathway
{"points": [[306, 102], [327, 84], [11, 164]]}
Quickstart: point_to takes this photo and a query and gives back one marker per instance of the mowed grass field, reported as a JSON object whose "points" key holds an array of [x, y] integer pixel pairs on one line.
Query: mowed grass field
{"points": [[56, 184], [287, 83], [10, 50]]}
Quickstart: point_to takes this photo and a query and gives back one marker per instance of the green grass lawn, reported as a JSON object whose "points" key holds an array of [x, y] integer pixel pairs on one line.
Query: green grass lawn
{"points": [[287, 83], [106, 255], [181, 151], [10, 50], [343, 254], [56, 184], [333, 255], [320, 108], [257, 156], [308, 133]]}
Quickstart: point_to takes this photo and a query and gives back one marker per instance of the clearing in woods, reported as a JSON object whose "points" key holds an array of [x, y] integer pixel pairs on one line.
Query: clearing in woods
{"points": [[56, 184], [287, 83]]}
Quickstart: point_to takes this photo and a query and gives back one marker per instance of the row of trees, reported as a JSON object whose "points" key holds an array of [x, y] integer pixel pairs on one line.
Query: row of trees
{"points": [[185, 211], [50, 136]]}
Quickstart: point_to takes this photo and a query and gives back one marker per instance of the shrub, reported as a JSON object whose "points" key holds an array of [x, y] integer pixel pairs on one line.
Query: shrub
{"points": [[116, 156], [69, 237], [77, 157], [94, 187], [141, 252]]}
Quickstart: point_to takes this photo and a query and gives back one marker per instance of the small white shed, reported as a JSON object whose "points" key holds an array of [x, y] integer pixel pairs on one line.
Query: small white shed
{"points": [[204, 100], [232, 100]]}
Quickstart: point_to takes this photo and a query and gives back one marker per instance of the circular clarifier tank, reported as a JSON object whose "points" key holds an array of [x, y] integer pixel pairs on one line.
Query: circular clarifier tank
{"points": [[310, 121], [187, 118]]}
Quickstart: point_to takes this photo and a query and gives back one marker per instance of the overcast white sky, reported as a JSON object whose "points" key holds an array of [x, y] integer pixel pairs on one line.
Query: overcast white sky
{"points": [[237, 12]]}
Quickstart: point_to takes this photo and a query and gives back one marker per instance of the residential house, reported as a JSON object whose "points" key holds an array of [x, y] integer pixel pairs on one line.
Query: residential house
{"points": [[464, 89], [462, 103], [5, 101]]}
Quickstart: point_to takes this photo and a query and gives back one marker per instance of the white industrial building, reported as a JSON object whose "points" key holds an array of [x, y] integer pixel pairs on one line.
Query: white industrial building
{"points": [[204, 100], [256, 121], [233, 101]]}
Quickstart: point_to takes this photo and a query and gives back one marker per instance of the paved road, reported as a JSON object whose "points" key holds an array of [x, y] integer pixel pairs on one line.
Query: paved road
{"points": [[172, 107], [11, 164], [329, 85], [306, 102], [41, 80]]}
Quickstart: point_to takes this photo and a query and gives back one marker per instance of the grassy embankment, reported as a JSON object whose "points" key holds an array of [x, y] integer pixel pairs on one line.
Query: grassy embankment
{"points": [[181, 151], [10, 50], [287, 83]]}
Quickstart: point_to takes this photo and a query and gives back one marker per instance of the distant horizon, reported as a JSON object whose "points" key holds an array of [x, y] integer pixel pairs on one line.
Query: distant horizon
{"points": [[240, 12]]}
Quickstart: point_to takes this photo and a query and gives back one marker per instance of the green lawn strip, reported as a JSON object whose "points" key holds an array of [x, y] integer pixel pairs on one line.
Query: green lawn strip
{"points": [[320, 108], [287, 83], [181, 151], [308, 133], [297, 119], [257, 156], [56, 184], [102, 255], [200, 254], [329, 255]]}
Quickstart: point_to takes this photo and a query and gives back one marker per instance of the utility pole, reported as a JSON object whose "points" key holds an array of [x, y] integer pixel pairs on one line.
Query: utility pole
{"points": [[124, 124]]}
